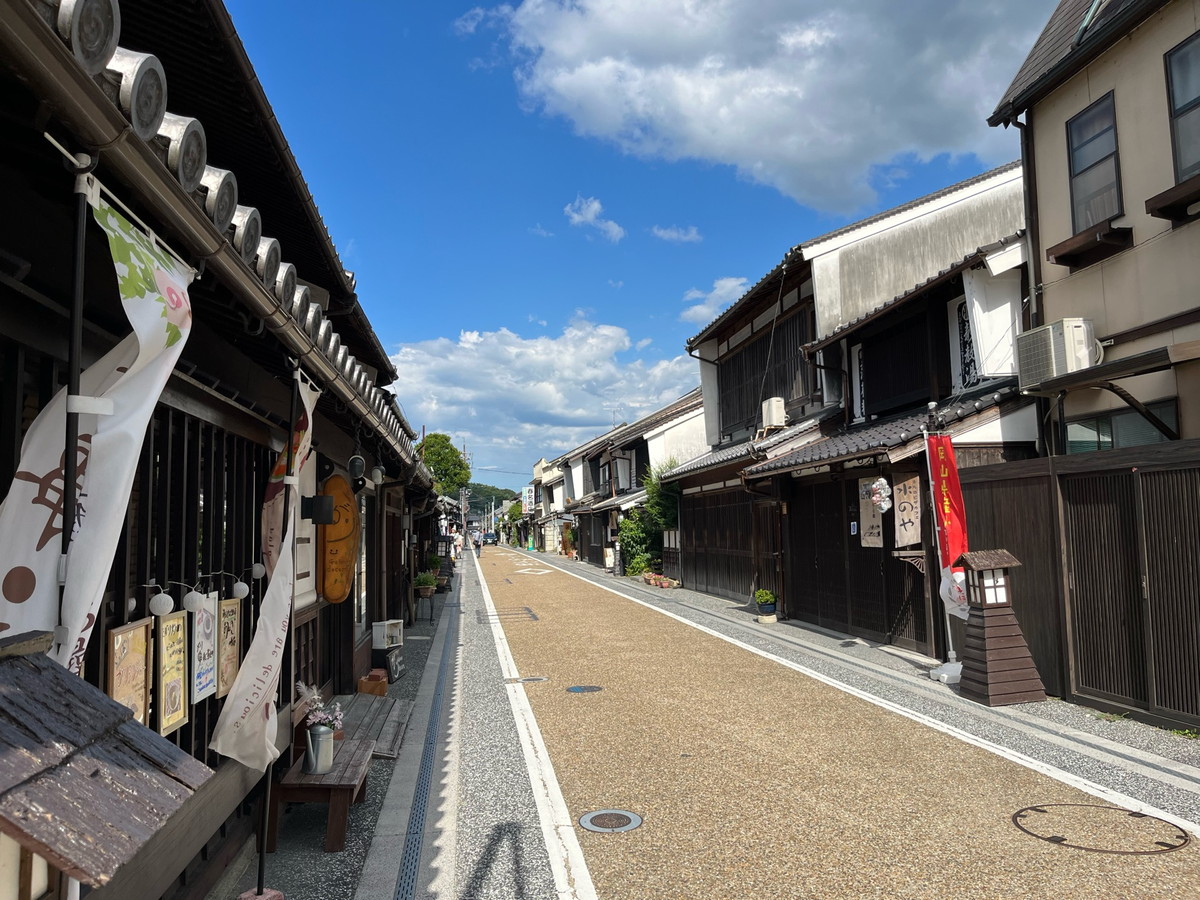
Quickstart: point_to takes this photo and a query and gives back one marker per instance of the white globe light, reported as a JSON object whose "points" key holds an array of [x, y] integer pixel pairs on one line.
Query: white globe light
{"points": [[161, 604], [131, 604], [240, 589], [193, 601], [258, 570]]}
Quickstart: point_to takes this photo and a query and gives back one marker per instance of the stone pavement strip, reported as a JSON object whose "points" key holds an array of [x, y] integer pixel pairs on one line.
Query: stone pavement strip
{"points": [[755, 780]]}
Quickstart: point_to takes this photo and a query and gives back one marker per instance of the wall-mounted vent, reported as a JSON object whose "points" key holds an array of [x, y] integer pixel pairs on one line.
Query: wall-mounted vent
{"points": [[1059, 348]]}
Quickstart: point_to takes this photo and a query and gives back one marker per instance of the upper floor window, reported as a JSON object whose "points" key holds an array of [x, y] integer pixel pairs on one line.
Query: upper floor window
{"points": [[1183, 84], [1095, 173], [1119, 428], [771, 365]]}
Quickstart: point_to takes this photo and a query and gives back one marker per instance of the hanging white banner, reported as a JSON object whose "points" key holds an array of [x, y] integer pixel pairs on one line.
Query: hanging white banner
{"points": [[272, 511], [247, 726], [130, 378]]}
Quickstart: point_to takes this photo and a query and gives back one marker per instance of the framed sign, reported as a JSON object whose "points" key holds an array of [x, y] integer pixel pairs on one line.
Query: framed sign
{"points": [[869, 516], [204, 649], [171, 694], [130, 656], [229, 643]]}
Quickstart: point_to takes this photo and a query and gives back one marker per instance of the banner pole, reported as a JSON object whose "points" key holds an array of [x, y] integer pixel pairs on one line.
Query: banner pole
{"points": [[287, 497], [84, 164], [951, 670]]}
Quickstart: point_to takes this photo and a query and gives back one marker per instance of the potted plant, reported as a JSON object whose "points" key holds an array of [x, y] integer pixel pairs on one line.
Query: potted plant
{"points": [[766, 605], [425, 583], [324, 726], [433, 563]]}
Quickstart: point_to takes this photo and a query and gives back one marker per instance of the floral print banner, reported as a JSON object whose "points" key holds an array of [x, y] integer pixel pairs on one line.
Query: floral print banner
{"points": [[153, 288]]}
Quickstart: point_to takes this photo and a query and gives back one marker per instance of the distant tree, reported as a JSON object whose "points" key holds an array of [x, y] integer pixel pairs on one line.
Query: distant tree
{"points": [[486, 493], [450, 470]]}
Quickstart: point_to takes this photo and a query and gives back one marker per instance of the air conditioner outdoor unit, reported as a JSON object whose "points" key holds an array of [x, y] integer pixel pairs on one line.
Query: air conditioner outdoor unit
{"points": [[1059, 348], [773, 415]]}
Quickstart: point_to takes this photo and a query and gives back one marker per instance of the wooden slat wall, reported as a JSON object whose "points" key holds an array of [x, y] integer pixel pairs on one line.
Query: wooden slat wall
{"points": [[715, 543]]}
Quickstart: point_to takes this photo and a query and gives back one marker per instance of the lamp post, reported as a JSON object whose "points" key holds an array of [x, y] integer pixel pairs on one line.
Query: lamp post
{"points": [[997, 668]]}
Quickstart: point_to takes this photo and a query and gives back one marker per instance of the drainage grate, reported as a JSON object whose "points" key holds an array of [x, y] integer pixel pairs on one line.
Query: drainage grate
{"points": [[585, 689], [1099, 829], [609, 820], [486, 618]]}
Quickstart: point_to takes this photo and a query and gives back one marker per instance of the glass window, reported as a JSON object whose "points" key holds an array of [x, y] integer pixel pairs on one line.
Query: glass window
{"points": [[1095, 176], [1119, 428], [1183, 79]]}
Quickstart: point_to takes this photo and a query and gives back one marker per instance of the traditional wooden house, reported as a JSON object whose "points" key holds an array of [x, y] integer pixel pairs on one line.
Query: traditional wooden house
{"points": [[1107, 103], [854, 344], [151, 115]]}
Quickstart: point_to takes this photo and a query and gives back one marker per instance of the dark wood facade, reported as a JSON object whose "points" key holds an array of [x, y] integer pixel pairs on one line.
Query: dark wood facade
{"points": [[1107, 591]]}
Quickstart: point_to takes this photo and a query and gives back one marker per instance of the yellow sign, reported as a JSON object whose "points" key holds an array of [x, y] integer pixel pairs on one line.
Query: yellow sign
{"points": [[338, 543]]}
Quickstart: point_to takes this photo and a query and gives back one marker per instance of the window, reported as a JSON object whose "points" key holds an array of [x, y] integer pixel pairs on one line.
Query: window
{"points": [[771, 365], [1095, 174], [1183, 84], [1119, 428]]}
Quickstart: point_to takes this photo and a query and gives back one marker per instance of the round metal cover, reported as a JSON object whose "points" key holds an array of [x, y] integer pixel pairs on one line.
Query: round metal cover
{"points": [[609, 820], [1099, 829], [526, 680], [585, 689]]}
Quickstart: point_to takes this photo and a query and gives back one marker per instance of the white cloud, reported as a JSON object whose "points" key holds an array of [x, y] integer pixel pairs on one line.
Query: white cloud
{"points": [[616, 284], [802, 95], [712, 303], [540, 231], [585, 212], [513, 399], [676, 235]]}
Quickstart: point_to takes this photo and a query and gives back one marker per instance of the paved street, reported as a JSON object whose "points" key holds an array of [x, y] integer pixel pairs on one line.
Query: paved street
{"points": [[763, 761]]}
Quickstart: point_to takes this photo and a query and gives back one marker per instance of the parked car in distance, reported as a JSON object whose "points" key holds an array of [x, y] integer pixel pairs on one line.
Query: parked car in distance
{"points": [[490, 537]]}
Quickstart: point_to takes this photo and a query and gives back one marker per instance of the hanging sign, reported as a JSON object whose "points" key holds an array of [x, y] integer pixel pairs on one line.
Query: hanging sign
{"points": [[338, 543], [172, 671], [273, 499], [128, 381], [907, 497], [130, 650], [229, 643], [870, 517], [204, 649]]}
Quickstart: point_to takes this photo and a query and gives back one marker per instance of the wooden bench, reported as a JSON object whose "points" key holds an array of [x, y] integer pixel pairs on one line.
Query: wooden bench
{"points": [[346, 782]]}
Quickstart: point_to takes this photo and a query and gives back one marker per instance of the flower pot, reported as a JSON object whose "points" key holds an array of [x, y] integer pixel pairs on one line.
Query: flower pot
{"points": [[318, 750], [425, 590], [766, 609]]}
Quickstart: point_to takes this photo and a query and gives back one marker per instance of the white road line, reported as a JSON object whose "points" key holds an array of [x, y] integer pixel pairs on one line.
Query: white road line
{"points": [[1067, 778], [572, 880]]}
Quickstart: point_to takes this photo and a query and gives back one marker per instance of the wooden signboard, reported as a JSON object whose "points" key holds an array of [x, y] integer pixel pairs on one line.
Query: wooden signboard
{"points": [[869, 517], [338, 545], [130, 653], [229, 643], [171, 689], [204, 649], [906, 495]]}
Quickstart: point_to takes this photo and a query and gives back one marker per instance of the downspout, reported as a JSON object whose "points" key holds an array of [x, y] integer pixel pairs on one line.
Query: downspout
{"points": [[1046, 446]]}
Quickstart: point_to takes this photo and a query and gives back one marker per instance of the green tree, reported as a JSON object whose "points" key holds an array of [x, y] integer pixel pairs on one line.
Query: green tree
{"points": [[450, 470], [662, 500]]}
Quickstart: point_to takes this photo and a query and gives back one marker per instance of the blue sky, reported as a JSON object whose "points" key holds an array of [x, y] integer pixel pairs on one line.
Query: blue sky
{"points": [[543, 200]]}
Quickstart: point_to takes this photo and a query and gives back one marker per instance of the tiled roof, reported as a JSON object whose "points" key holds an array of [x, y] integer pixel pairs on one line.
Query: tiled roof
{"points": [[724, 455], [737, 304], [880, 437], [1055, 55]]}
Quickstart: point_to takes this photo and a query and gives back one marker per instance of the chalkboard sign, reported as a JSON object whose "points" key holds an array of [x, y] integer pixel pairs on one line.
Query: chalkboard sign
{"points": [[395, 664]]}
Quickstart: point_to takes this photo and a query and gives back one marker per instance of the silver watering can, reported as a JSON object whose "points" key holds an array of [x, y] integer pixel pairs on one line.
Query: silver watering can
{"points": [[318, 750]]}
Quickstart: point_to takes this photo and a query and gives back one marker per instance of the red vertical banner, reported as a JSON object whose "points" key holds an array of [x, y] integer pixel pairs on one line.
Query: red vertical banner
{"points": [[947, 498]]}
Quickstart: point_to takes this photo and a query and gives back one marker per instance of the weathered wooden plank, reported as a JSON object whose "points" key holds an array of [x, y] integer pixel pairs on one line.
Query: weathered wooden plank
{"points": [[391, 734]]}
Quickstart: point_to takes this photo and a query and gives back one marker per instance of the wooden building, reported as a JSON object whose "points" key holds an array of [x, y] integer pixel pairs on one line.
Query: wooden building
{"points": [[210, 175]]}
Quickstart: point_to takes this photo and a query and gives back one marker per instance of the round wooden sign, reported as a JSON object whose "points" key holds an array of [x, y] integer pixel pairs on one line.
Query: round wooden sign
{"points": [[338, 543]]}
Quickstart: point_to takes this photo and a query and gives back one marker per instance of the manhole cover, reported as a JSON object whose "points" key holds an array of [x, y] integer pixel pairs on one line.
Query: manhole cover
{"points": [[527, 679], [610, 820], [585, 689], [1100, 829]]}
